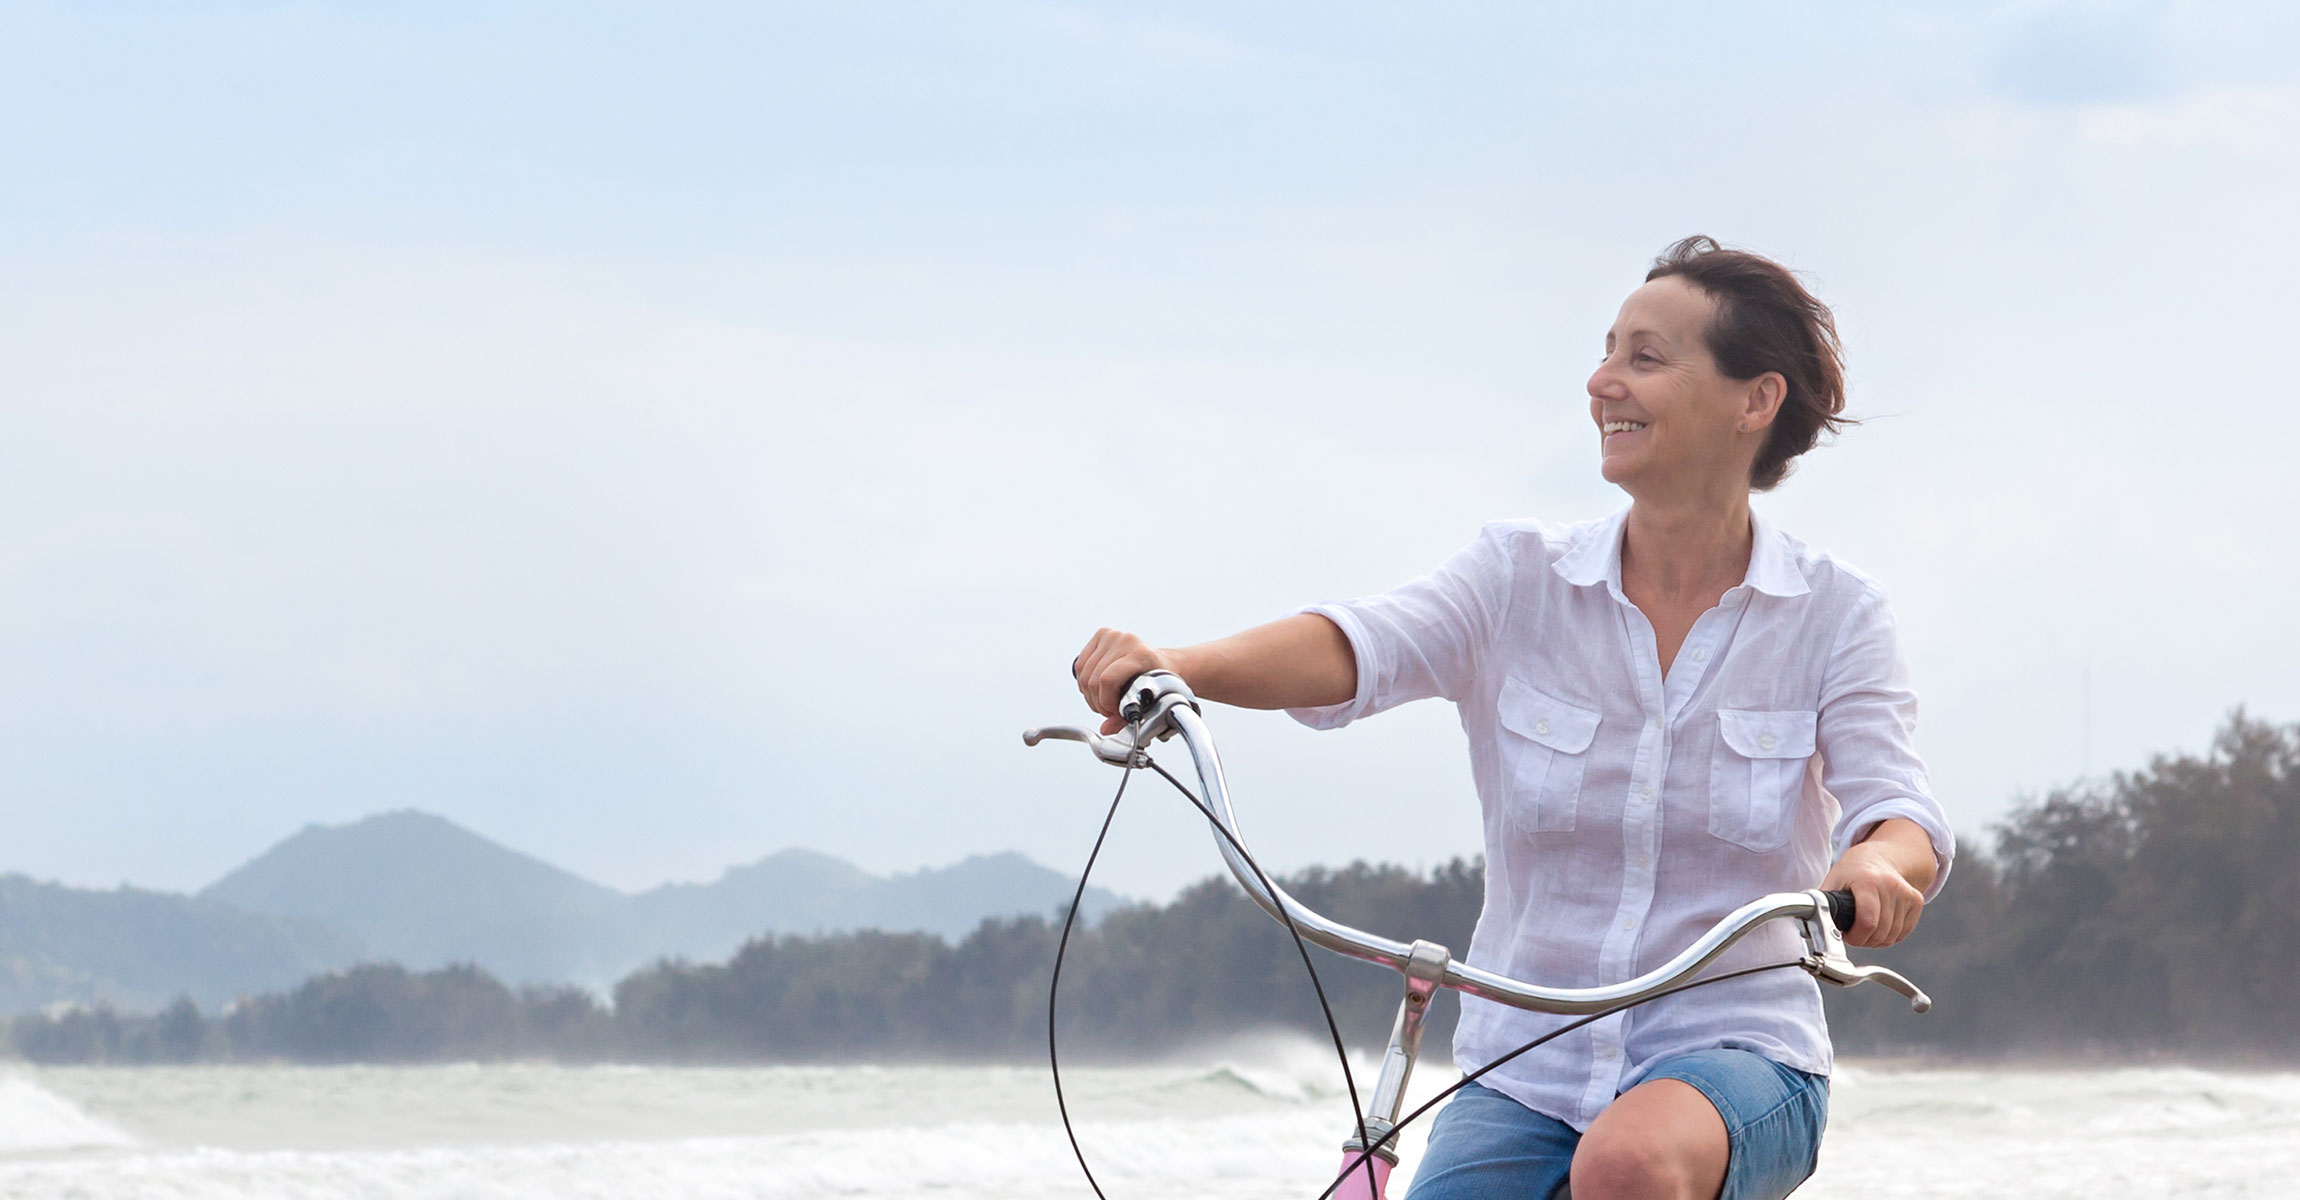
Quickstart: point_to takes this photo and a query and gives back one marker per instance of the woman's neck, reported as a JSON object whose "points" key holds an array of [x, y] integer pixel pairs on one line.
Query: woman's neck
{"points": [[1687, 550]]}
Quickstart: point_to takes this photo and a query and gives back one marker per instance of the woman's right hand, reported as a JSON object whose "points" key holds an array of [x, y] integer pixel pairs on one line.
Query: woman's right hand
{"points": [[1109, 662]]}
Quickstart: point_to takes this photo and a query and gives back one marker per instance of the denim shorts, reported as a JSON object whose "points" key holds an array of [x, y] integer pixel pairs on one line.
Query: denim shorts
{"points": [[1486, 1146]]}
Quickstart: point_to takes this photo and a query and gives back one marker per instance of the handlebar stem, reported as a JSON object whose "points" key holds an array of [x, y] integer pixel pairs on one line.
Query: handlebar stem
{"points": [[1425, 971]]}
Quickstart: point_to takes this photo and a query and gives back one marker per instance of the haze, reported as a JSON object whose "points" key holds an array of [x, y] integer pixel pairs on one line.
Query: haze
{"points": [[655, 436]]}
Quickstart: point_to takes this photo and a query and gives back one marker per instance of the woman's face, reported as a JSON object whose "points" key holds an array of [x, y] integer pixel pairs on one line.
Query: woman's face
{"points": [[1667, 416]]}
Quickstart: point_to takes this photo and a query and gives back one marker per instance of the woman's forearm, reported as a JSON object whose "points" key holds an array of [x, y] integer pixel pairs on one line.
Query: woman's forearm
{"points": [[1302, 661]]}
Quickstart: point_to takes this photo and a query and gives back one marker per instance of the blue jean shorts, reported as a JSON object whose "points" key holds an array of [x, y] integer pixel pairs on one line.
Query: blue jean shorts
{"points": [[1486, 1146]]}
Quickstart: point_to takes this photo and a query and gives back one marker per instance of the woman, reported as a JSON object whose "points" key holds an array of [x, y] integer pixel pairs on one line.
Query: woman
{"points": [[1669, 712]]}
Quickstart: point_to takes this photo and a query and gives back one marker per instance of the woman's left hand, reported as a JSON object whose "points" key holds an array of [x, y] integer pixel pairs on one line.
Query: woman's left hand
{"points": [[1877, 870]]}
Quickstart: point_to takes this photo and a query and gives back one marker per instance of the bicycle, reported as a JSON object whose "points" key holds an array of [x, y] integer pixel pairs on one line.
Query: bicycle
{"points": [[1158, 706]]}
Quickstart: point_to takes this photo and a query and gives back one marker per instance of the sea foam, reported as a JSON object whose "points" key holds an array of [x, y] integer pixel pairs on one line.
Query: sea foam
{"points": [[1242, 1122], [35, 1120]]}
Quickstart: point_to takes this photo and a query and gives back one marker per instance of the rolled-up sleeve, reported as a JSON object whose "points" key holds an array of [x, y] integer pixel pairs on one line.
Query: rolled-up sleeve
{"points": [[1868, 736], [1427, 638]]}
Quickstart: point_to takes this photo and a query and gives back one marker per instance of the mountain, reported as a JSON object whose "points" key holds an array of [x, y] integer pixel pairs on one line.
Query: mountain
{"points": [[419, 890], [138, 950], [950, 900], [795, 891], [804, 892]]}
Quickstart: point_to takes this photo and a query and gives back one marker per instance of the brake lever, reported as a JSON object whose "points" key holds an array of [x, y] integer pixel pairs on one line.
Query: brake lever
{"points": [[1147, 708], [1825, 957], [1117, 749]]}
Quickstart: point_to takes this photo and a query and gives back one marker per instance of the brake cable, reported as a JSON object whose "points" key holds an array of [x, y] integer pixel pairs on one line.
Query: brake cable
{"points": [[1054, 985], [1069, 920]]}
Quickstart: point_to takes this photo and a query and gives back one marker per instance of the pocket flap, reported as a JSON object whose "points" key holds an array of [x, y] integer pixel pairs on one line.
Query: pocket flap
{"points": [[1546, 719], [1784, 734]]}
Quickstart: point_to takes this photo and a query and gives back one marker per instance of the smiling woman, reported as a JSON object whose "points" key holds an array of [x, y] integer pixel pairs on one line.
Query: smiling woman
{"points": [[1669, 711], [1752, 319]]}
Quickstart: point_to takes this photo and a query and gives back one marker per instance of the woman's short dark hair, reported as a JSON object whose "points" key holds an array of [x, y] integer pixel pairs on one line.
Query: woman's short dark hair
{"points": [[1767, 321]]}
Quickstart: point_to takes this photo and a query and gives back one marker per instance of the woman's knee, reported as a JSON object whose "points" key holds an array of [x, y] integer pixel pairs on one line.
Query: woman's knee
{"points": [[1635, 1168], [1660, 1139]]}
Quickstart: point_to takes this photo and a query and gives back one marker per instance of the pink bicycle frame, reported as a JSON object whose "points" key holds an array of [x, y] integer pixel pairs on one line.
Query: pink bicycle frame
{"points": [[1355, 1187]]}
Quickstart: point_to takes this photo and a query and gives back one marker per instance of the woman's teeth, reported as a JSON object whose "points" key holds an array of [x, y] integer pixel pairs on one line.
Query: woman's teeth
{"points": [[1622, 426]]}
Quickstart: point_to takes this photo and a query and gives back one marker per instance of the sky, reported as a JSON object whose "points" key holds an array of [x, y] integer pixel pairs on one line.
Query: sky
{"points": [[654, 436]]}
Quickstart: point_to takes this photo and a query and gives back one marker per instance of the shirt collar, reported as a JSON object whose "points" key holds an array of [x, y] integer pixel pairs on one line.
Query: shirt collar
{"points": [[1595, 557], [1773, 560]]}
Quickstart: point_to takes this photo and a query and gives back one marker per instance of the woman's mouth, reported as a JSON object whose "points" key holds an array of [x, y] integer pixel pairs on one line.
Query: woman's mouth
{"points": [[1613, 427]]}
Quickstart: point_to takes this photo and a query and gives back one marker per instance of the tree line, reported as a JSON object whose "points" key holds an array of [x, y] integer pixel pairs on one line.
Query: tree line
{"points": [[2153, 913]]}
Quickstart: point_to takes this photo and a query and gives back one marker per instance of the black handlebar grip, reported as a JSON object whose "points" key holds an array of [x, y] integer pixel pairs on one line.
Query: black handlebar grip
{"points": [[1841, 910]]}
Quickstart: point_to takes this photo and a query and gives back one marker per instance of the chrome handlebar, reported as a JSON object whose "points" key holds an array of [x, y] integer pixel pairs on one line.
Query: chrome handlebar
{"points": [[1158, 705]]}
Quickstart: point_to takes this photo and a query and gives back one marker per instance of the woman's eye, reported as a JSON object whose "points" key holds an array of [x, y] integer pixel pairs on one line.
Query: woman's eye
{"points": [[1648, 359]]}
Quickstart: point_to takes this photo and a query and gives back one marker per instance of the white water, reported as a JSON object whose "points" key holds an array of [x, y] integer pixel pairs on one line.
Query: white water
{"points": [[34, 1119], [1258, 1123]]}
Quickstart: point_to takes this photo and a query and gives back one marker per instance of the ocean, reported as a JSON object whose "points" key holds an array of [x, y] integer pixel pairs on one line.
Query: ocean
{"points": [[1251, 1120]]}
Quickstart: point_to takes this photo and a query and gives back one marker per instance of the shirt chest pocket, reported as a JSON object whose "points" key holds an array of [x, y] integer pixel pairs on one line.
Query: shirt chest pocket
{"points": [[1544, 750], [1758, 774]]}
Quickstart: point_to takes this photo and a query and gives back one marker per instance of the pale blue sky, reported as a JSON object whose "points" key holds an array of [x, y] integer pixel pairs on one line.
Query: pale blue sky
{"points": [[655, 435]]}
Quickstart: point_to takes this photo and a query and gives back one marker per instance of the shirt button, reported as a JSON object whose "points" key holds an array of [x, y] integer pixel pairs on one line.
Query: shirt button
{"points": [[1541, 727], [1700, 655], [1644, 860], [1765, 742], [1629, 923], [1654, 722], [1645, 792]]}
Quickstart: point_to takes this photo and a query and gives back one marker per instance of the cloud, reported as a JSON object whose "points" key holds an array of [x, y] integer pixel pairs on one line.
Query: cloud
{"points": [[2259, 119], [2081, 54], [1157, 45]]}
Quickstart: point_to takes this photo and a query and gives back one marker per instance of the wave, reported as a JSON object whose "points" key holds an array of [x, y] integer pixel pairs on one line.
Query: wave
{"points": [[35, 1120], [1987, 1133], [1260, 1118], [1286, 1067], [1216, 1158], [1269, 1085]]}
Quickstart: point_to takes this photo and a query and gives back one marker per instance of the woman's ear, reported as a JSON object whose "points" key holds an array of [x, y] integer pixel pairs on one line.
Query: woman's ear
{"points": [[1762, 402]]}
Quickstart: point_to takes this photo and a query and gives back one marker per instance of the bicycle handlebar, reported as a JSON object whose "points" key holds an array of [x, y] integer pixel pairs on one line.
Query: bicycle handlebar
{"points": [[1158, 705], [1841, 910]]}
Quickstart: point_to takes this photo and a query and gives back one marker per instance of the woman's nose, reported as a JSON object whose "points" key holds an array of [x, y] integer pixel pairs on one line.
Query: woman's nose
{"points": [[1604, 383]]}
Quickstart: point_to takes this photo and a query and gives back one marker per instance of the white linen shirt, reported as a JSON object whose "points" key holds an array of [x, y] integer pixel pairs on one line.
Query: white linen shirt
{"points": [[1626, 812]]}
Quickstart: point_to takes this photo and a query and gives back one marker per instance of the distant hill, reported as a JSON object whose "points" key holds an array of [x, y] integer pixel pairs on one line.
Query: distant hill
{"points": [[803, 892], [795, 891], [952, 900], [138, 950], [422, 891], [419, 890]]}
